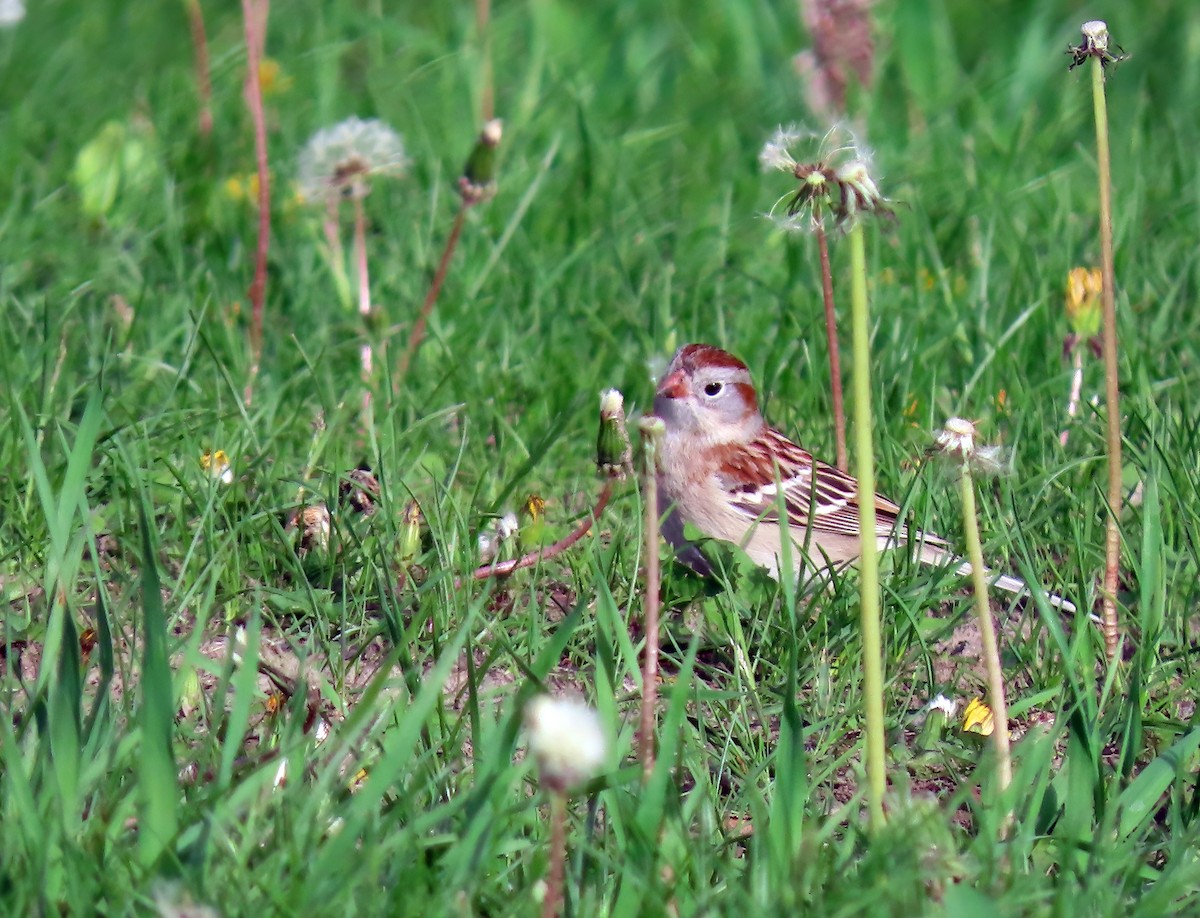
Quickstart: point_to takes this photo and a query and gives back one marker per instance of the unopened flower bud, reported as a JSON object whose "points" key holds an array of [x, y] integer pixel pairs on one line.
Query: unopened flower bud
{"points": [[410, 533], [614, 454], [652, 430], [478, 181]]}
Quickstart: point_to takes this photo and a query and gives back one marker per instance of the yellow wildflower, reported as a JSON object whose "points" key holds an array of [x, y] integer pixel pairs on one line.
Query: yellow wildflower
{"points": [[977, 718]]}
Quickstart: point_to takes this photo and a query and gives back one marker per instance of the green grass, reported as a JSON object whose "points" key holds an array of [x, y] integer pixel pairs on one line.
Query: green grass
{"points": [[628, 221]]}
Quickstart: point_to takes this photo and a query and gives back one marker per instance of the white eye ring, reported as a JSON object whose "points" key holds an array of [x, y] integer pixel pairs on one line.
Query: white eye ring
{"points": [[713, 389]]}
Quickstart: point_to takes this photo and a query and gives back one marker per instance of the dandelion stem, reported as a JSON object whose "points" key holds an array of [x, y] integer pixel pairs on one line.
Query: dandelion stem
{"points": [[487, 105], [1112, 541], [987, 631], [1076, 390], [552, 904], [439, 277], [835, 359], [367, 352], [254, 13], [649, 428], [869, 563], [203, 78]]}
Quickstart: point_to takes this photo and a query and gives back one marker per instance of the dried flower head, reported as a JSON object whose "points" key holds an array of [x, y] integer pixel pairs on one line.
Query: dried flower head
{"points": [[1095, 43], [314, 526], [340, 160], [835, 184], [359, 489], [567, 740], [958, 442], [614, 454], [217, 465]]}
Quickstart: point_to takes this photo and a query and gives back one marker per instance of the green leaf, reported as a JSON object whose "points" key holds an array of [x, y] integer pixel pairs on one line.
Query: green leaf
{"points": [[1138, 801]]}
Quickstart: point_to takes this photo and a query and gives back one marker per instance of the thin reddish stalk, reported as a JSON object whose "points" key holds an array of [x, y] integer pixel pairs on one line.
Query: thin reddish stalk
{"points": [[487, 102], [203, 77], [439, 277], [366, 352], [650, 661], [552, 904], [835, 358], [544, 554], [255, 16], [1112, 541]]}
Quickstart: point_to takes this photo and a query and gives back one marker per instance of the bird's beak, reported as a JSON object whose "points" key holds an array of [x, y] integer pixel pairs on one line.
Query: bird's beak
{"points": [[674, 385]]}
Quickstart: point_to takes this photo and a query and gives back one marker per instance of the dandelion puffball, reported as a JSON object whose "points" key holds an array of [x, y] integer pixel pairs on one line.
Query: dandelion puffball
{"points": [[566, 739]]}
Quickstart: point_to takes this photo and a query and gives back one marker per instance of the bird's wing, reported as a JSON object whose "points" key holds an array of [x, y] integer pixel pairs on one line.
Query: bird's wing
{"points": [[815, 494]]}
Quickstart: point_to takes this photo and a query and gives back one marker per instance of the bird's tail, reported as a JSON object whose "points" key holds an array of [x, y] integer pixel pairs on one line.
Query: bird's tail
{"points": [[938, 555]]}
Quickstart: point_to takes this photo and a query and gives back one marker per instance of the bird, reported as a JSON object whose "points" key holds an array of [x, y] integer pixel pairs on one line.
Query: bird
{"points": [[721, 467]]}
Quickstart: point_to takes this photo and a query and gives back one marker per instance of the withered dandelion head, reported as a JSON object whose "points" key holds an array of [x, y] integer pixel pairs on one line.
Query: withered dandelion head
{"points": [[958, 442], [340, 160], [833, 171], [1095, 43]]}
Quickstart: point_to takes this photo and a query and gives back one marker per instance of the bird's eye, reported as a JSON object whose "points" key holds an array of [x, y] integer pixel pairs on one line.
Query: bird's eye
{"points": [[712, 389]]}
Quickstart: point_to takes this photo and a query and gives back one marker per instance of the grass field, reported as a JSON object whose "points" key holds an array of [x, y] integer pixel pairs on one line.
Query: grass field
{"points": [[373, 764]]}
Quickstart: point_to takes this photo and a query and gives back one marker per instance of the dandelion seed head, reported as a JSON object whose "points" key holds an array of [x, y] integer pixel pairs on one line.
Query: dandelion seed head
{"points": [[834, 171], [341, 159], [958, 441], [11, 12], [507, 526], [566, 739]]}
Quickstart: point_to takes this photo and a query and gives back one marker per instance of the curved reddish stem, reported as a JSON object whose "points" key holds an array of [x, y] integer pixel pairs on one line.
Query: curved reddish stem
{"points": [[544, 554]]}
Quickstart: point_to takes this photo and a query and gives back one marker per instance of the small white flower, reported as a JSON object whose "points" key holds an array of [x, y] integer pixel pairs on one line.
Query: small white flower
{"points": [[566, 739], [941, 703], [11, 12], [507, 526], [488, 544], [341, 158]]}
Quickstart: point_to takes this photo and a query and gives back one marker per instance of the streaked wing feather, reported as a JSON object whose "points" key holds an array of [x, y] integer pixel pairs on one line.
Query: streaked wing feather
{"points": [[812, 490]]}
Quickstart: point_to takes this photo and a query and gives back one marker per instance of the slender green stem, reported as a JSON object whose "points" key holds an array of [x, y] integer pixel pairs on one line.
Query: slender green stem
{"points": [[835, 358], [869, 564], [1112, 541], [987, 631]]}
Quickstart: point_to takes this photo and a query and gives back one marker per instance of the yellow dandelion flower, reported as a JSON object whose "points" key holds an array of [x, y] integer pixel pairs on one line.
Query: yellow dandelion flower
{"points": [[217, 465], [1084, 286], [272, 78], [978, 718]]}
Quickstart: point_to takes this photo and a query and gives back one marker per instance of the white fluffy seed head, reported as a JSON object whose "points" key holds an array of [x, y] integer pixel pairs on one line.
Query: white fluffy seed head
{"points": [[566, 739]]}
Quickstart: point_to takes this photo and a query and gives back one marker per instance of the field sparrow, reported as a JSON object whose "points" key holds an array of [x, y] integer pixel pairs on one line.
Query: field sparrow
{"points": [[719, 465]]}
